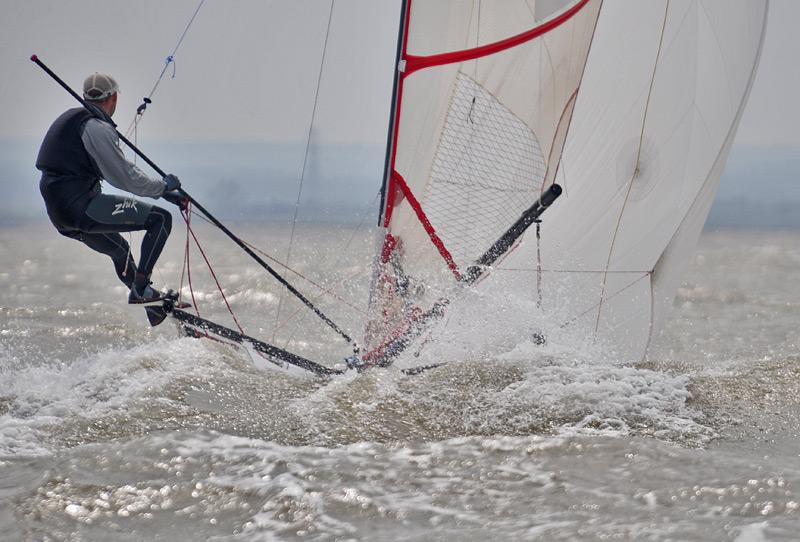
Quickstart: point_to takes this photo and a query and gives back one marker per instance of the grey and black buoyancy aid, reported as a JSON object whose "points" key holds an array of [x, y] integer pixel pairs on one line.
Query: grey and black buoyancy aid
{"points": [[68, 170]]}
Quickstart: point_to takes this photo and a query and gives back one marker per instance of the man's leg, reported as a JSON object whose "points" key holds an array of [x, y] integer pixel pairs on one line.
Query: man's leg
{"points": [[159, 226], [113, 214], [114, 246]]}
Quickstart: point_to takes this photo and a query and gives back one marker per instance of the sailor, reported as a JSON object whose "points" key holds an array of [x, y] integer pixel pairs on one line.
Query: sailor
{"points": [[81, 148]]}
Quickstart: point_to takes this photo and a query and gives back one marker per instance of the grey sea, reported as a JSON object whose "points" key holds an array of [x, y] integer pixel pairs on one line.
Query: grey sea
{"points": [[111, 430]]}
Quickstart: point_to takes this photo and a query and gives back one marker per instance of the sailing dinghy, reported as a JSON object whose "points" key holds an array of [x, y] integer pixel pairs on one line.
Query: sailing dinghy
{"points": [[549, 167]]}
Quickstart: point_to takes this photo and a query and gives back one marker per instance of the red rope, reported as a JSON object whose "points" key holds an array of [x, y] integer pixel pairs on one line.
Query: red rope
{"points": [[185, 217], [213, 274], [188, 272], [188, 220]]}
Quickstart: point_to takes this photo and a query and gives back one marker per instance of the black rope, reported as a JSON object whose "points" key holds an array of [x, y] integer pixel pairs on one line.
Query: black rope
{"points": [[539, 263]]}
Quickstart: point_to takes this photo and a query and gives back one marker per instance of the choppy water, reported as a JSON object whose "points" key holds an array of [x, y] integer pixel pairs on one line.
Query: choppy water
{"points": [[112, 431]]}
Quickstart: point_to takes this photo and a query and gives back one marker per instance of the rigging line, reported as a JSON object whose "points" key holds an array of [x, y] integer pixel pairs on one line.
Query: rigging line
{"points": [[169, 60], [576, 271], [254, 248], [599, 303], [530, 10], [184, 215], [216, 280], [357, 230], [188, 219], [638, 158], [305, 156], [559, 164], [324, 292], [323, 289], [539, 264], [342, 254]]}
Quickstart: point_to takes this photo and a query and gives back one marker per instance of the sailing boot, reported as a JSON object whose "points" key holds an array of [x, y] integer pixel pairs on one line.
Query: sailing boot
{"points": [[142, 292]]}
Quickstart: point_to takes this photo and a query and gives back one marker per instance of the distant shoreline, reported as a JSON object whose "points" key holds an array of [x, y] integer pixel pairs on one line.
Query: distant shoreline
{"points": [[259, 183]]}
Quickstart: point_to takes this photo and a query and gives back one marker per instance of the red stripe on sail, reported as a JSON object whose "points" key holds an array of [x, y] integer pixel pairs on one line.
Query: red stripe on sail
{"points": [[414, 63]]}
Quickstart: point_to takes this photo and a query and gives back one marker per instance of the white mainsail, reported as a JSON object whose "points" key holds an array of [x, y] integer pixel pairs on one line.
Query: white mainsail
{"points": [[631, 106]]}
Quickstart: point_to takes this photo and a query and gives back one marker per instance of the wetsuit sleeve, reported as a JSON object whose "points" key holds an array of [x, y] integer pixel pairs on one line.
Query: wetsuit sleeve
{"points": [[102, 143]]}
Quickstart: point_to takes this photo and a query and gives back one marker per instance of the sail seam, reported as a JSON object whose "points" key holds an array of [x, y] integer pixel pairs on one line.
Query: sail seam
{"points": [[636, 166], [574, 100], [726, 144]]}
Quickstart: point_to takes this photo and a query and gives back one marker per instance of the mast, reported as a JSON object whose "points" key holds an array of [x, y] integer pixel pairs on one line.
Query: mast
{"points": [[391, 137]]}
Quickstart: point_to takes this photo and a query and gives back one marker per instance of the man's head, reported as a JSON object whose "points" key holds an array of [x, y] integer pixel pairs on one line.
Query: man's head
{"points": [[101, 90]]}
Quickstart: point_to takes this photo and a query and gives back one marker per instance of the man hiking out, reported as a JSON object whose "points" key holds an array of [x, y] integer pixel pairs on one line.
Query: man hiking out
{"points": [[81, 148]]}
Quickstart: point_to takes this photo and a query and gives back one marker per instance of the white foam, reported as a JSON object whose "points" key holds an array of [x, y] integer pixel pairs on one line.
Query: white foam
{"points": [[48, 394], [755, 532]]}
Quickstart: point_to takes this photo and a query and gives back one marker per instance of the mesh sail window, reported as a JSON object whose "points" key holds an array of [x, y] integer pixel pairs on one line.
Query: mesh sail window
{"points": [[484, 103], [488, 159]]}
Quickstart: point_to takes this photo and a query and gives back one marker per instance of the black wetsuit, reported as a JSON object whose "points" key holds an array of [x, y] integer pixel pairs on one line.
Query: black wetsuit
{"points": [[70, 186]]}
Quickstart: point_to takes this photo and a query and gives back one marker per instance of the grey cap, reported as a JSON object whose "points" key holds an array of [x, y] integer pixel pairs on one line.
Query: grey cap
{"points": [[99, 86]]}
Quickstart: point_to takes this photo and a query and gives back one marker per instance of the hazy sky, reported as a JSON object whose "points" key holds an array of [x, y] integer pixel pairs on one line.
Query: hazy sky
{"points": [[248, 69]]}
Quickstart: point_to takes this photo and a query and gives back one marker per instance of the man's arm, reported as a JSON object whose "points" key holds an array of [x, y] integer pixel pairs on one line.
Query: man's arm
{"points": [[102, 144]]}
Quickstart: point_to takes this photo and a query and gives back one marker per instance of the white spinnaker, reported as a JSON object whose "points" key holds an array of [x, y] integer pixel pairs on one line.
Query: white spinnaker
{"points": [[478, 139], [664, 88]]}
